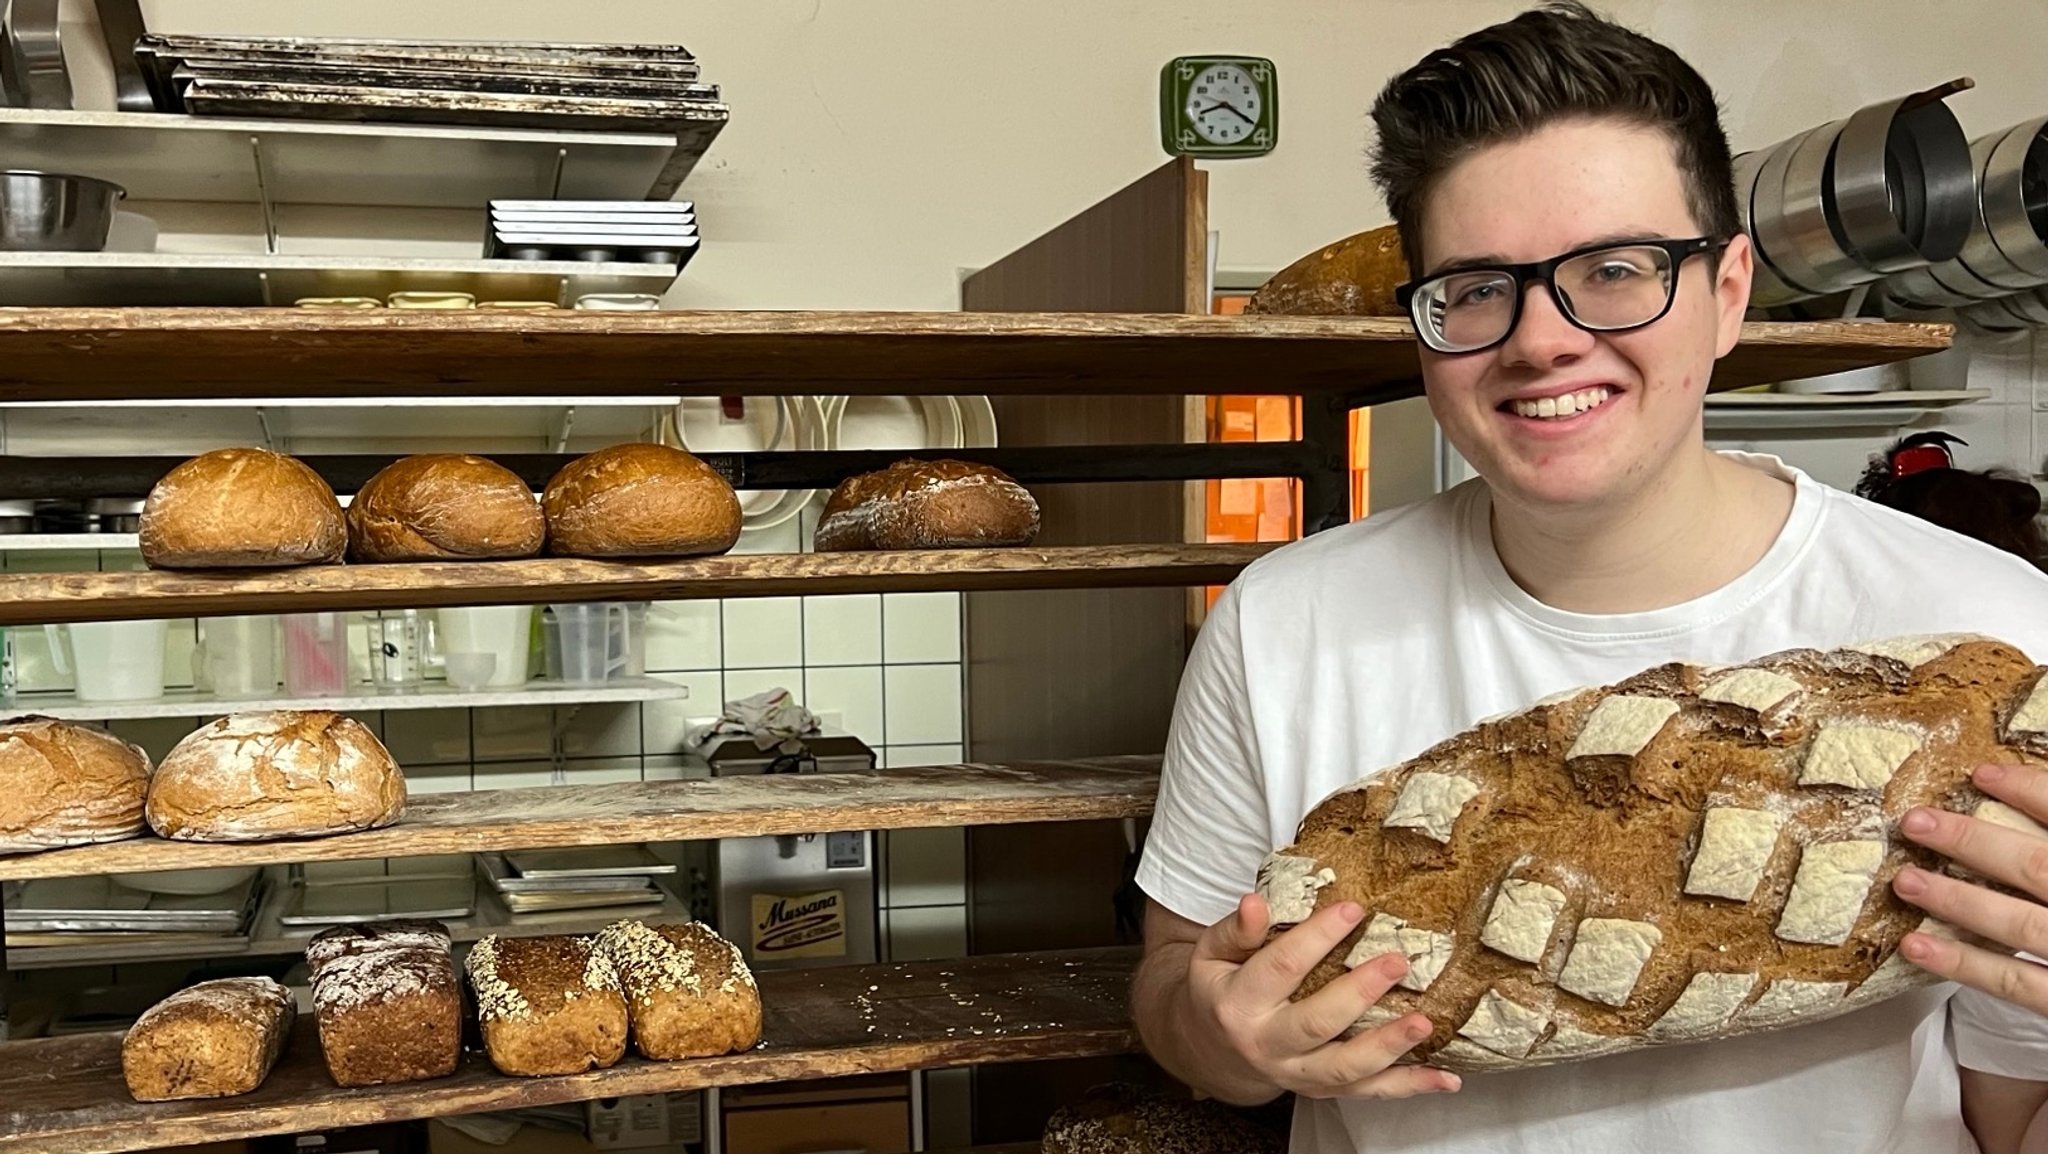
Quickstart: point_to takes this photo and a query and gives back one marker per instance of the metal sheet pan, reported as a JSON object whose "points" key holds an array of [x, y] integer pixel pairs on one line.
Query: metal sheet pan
{"points": [[352, 903], [630, 859]]}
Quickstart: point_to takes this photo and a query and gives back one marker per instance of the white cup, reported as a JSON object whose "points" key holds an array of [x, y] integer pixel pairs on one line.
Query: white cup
{"points": [[236, 657], [111, 660], [505, 631]]}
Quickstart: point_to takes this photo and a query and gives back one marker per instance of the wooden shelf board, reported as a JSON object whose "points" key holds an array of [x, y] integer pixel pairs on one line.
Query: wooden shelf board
{"points": [[434, 695], [749, 806], [66, 1095], [37, 598], [93, 353]]}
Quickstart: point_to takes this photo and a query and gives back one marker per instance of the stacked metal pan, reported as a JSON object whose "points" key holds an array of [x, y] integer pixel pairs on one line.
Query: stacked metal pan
{"points": [[1888, 190], [1999, 281]]}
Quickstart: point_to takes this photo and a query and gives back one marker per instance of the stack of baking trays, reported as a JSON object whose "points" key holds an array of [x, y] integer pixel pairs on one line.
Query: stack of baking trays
{"points": [[649, 231], [545, 881], [102, 911]]}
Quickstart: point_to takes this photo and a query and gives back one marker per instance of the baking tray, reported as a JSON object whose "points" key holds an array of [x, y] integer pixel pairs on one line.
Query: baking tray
{"points": [[523, 82], [696, 122], [506, 880], [73, 905], [456, 866], [632, 207], [377, 900], [553, 902], [630, 859], [571, 232]]}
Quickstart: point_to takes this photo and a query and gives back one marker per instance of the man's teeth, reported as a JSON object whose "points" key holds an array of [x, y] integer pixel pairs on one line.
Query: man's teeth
{"points": [[1569, 405]]}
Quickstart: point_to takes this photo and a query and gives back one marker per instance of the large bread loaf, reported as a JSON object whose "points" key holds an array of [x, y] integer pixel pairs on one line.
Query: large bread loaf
{"points": [[1690, 854], [287, 773], [242, 508], [444, 506], [916, 504], [63, 784]]}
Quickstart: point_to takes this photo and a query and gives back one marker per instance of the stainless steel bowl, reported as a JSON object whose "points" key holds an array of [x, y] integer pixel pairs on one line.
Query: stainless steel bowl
{"points": [[55, 212]]}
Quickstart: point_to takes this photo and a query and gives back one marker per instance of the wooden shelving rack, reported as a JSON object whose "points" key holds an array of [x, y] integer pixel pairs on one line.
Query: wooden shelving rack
{"points": [[64, 1095]]}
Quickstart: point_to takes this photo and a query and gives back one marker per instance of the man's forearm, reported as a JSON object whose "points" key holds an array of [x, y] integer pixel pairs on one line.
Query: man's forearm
{"points": [[2006, 1115], [1159, 1005]]}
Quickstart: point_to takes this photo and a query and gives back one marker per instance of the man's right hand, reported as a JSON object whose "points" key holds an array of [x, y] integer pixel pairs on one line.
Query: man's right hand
{"points": [[1238, 1030]]}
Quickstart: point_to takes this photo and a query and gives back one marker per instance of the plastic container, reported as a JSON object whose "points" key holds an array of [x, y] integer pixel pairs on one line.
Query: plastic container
{"points": [[236, 657], [316, 654], [504, 631], [585, 642], [111, 660], [400, 642]]}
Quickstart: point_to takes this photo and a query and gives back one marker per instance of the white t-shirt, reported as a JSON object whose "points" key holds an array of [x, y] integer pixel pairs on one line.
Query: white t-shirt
{"points": [[1356, 649]]}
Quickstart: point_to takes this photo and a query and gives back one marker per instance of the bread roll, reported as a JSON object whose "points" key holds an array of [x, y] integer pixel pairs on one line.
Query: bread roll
{"points": [[1126, 1119], [640, 500], [444, 506], [208, 1041], [928, 505], [387, 1001], [688, 991], [1693, 853], [547, 1005], [258, 776], [242, 508], [1353, 277], [63, 784]]}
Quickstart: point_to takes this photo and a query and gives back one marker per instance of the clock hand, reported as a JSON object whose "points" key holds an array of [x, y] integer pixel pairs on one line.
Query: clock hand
{"points": [[1234, 111]]}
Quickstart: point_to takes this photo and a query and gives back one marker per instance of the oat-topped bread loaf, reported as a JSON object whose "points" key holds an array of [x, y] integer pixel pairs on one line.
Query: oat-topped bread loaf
{"points": [[928, 505], [689, 992], [242, 508], [640, 500], [444, 506], [387, 1002], [1690, 854], [1125, 1119], [63, 784], [289, 773], [547, 1005], [208, 1041]]}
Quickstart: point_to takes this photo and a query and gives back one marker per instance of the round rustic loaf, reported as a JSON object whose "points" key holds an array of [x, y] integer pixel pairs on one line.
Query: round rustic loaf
{"points": [[1693, 853], [1353, 277], [1123, 1119], [640, 500], [444, 506], [289, 773], [689, 991], [242, 508], [63, 784], [211, 1040], [928, 505]]}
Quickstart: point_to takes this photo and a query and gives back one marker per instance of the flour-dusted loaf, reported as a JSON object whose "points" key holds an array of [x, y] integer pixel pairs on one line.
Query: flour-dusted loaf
{"points": [[928, 505], [689, 992], [640, 500], [1120, 1118], [208, 1041], [1690, 854], [444, 507], [547, 1005], [387, 1002], [63, 784], [242, 508], [287, 773]]}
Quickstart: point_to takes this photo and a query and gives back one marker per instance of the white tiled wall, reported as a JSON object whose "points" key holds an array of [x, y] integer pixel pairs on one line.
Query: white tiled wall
{"points": [[885, 667]]}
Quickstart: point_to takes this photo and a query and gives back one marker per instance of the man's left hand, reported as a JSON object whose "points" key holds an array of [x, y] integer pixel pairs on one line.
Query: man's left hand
{"points": [[2019, 860]]}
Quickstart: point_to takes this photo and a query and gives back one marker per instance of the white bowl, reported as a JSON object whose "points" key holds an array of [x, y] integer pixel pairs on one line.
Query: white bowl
{"points": [[186, 882], [912, 424]]}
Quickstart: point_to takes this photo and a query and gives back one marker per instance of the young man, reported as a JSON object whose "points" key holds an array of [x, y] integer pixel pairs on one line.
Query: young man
{"points": [[1564, 195]]}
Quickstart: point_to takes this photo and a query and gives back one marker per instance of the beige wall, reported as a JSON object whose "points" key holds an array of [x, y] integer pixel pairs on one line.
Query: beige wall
{"points": [[879, 146]]}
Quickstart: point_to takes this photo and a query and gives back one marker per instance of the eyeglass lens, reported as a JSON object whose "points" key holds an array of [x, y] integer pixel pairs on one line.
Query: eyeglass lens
{"points": [[1614, 288]]}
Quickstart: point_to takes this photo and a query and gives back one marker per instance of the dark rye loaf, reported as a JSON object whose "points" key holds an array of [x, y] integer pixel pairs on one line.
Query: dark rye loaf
{"points": [[1692, 853]]}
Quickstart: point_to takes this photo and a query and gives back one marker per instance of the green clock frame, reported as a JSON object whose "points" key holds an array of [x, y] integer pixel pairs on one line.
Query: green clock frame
{"points": [[1179, 138]]}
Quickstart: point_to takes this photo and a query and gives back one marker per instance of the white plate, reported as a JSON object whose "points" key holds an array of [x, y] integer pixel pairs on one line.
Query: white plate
{"points": [[765, 424], [913, 424], [977, 422]]}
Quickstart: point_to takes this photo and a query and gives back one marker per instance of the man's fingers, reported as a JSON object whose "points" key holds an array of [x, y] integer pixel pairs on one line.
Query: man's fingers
{"points": [[1270, 977], [2010, 921], [2002, 976], [1327, 1013], [1360, 1058], [2023, 787], [1398, 1082], [1237, 937]]}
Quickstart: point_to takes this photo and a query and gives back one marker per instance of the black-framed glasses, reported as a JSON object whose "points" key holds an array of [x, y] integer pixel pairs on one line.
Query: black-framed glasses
{"points": [[1603, 288]]}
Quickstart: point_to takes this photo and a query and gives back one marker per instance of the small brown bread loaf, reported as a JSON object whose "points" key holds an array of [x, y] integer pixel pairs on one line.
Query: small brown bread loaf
{"points": [[1692, 853], [1353, 277], [928, 505], [290, 773], [547, 1005], [63, 784], [444, 506], [689, 991], [387, 1002], [640, 500], [208, 1041], [242, 509], [1126, 1119]]}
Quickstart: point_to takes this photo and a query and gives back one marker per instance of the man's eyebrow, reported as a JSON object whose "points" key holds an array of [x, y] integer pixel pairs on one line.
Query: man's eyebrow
{"points": [[1495, 260]]}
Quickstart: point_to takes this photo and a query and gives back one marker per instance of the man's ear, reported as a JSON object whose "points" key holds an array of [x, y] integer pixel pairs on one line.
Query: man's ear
{"points": [[1732, 275]]}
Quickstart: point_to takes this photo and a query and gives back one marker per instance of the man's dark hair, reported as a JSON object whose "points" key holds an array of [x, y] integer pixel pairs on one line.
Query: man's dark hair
{"points": [[1557, 62]]}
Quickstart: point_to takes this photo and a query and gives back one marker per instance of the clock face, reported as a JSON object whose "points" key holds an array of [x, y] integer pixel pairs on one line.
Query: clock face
{"points": [[1223, 104], [1221, 107]]}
